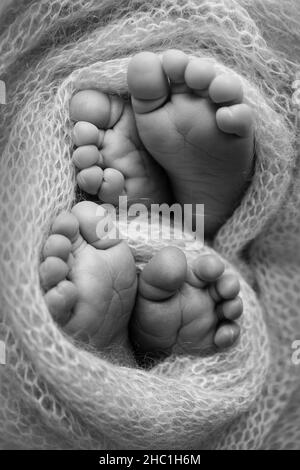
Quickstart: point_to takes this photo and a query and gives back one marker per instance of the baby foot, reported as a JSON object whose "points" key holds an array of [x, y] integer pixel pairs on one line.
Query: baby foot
{"points": [[90, 284], [196, 126], [185, 309], [110, 156]]}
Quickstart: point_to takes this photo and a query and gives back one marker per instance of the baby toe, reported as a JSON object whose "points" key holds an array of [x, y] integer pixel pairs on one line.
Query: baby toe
{"points": [[90, 179], [174, 64], [226, 88], [199, 74], [90, 106], [147, 82], [227, 287], [60, 301], [58, 246], [52, 271], [163, 275], [230, 309], [93, 219], [226, 335], [112, 186], [87, 156], [97, 108], [236, 119], [66, 224], [86, 133], [208, 268]]}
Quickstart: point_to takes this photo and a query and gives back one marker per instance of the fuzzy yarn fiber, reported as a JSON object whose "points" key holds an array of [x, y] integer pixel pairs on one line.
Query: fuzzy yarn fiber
{"points": [[55, 394]]}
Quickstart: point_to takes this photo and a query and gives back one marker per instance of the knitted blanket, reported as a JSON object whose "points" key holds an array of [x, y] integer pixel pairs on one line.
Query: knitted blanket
{"points": [[54, 394]]}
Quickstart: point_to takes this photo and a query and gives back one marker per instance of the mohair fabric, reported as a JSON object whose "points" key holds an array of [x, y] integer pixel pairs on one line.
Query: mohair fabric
{"points": [[56, 394]]}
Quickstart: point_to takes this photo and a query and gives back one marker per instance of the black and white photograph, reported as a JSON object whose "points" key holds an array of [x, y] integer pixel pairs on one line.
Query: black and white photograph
{"points": [[149, 230]]}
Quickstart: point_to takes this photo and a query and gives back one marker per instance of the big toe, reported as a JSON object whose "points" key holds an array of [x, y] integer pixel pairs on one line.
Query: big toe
{"points": [[147, 82], [163, 275], [88, 106], [97, 108], [97, 224]]}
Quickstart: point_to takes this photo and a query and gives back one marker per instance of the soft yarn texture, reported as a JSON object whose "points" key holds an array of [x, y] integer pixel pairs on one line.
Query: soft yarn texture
{"points": [[55, 394]]}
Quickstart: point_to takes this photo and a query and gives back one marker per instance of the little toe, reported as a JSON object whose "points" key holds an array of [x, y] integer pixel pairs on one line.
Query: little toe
{"points": [[87, 156], [90, 179], [226, 335], [230, 309], [199, 74], [208, 268], [60, 301], [112, 186], [52, 271], [147, 82], [163, 275], [236, 119], [58, 246], [226, 88], [86, 133]]}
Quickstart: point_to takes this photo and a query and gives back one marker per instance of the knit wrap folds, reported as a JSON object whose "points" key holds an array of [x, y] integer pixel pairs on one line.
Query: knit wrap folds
{"points": [[54, 394]]}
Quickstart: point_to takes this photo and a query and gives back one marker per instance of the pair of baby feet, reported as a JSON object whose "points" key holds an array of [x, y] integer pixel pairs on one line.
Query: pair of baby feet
{"points": [[186, 136], [93, 292]]}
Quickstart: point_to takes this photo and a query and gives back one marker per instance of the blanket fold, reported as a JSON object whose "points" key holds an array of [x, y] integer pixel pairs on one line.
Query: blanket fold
{"points": [[57, 395]]}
